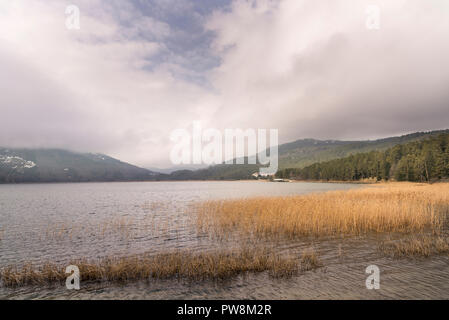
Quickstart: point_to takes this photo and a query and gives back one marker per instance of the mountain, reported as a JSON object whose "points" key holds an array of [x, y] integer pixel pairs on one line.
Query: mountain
{"points": [[305, 152], [423, 160], [302, 153], [217, 172], [55, 165], [169, 170]]}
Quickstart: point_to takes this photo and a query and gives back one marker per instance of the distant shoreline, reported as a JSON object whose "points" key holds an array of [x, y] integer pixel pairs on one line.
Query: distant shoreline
{"points": [[212, 180], [120, 181]]}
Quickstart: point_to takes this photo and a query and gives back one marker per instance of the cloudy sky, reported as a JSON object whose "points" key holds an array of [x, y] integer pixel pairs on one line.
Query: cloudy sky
{"points": [[137, 70]]}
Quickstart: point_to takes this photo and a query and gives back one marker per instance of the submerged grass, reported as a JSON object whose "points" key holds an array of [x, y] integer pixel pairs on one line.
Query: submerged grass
{"points": [[384, 208], [309, 260], [180, 265], [418, 246]]}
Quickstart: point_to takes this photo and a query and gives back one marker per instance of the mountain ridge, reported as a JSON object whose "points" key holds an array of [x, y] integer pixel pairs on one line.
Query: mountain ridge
{"points": [[424, 160], [58, 165], [304, 152]]}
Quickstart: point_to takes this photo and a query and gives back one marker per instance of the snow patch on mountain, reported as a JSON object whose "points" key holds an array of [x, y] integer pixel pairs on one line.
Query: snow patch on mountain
{"points": [[16, 162]]}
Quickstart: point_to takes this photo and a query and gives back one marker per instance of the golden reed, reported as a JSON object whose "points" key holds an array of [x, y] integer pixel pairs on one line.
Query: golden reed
{"points": [[177, 264], [417, 246], [382, 208]]}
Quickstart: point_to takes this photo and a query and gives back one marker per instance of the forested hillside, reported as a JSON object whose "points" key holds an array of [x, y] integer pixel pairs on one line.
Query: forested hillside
{"points": [[301, 153], [424, 160]]}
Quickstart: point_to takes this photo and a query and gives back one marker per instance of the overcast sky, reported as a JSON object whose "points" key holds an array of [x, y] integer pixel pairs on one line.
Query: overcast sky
{"points": [[137, 70]]}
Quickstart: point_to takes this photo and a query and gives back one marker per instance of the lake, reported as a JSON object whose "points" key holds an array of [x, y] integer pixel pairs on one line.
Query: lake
{"points": [[62, 222]]}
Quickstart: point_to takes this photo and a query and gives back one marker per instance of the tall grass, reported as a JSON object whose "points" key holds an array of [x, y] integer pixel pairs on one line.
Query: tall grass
{"points": [[392, 207], [179, 265], [417, 246]]}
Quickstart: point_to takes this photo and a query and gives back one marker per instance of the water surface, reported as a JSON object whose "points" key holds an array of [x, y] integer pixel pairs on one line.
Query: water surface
{"points": [[62, 222]]}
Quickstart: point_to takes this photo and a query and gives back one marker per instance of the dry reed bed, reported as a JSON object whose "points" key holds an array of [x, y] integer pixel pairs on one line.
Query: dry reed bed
{"points": [[391, 207], [178, 265], [420, 246]]}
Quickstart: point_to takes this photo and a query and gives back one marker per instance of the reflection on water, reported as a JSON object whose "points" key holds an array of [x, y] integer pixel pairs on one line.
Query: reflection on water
{"points": [[62, 222]]}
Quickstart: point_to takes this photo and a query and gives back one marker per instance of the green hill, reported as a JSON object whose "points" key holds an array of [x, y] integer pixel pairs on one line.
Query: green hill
{"points": [[302, 153], [217, 172], [423, 160]]}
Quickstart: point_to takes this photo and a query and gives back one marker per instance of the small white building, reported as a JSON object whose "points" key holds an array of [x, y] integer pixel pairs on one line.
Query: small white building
{"points": [[258, 175]]}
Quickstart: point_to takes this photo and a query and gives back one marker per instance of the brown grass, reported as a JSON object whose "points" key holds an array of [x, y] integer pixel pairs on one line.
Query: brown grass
{"points": [[180, 265], [420, 246], [309, 260], [392, 207]]}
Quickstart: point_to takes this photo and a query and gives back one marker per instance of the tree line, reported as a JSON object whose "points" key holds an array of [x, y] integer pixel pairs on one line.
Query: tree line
{"points": [[425, 160]]}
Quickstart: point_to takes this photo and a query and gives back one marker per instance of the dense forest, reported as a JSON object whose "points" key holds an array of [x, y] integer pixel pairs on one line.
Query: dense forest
{"points": [[425, 160]]}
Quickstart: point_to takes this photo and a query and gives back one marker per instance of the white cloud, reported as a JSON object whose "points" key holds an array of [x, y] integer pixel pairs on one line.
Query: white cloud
{"points": [[308, 68], [311, 68], [88, 89]]}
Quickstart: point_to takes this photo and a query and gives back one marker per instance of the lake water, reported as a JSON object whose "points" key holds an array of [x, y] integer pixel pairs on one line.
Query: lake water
{"points": [[62, 222]]}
